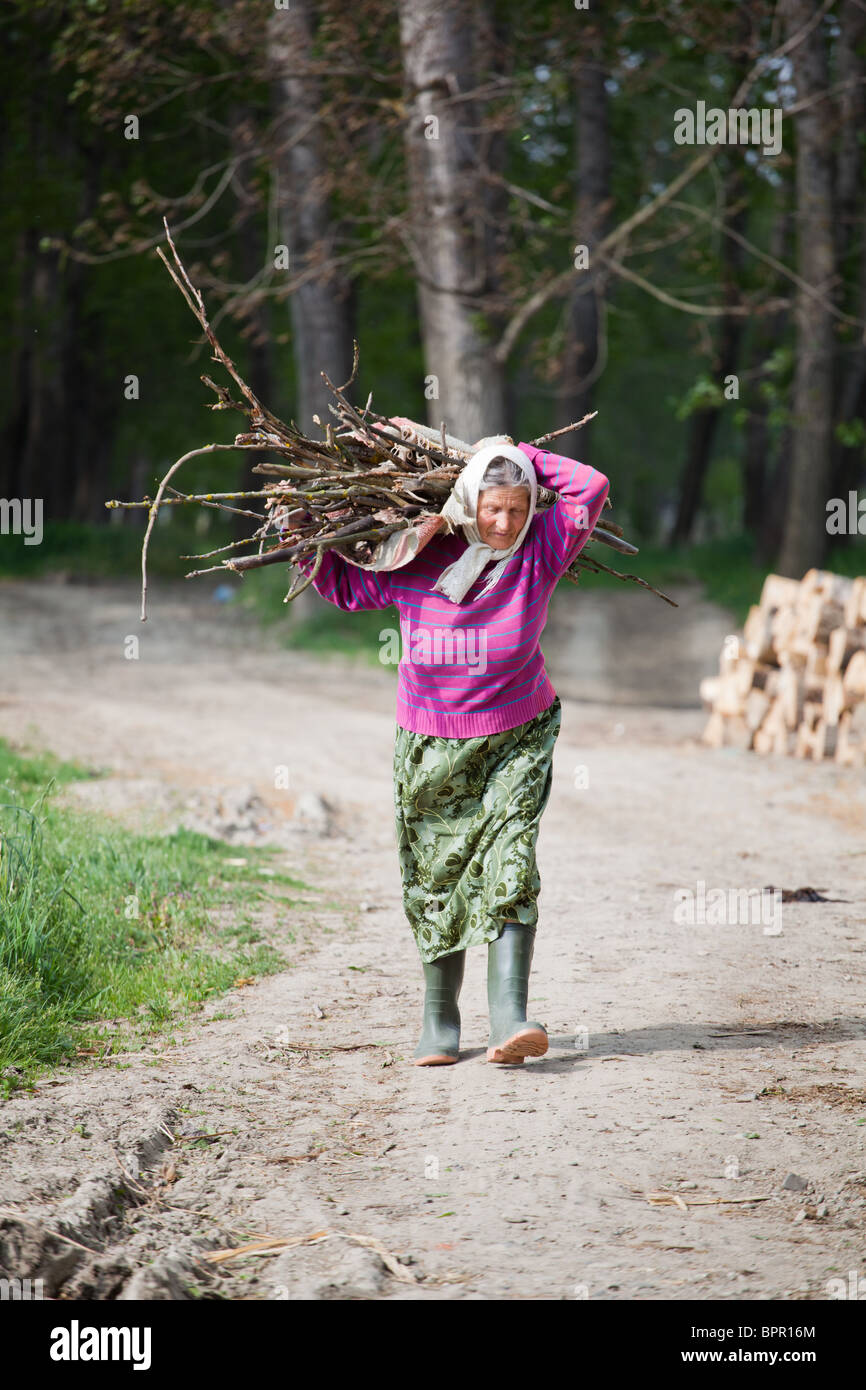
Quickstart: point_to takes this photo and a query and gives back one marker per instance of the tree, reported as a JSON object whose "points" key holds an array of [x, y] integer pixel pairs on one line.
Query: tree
{"points": [[850, 224], [448, 238], [321, 303], [805, 536], [583, 362], [704, 420]]}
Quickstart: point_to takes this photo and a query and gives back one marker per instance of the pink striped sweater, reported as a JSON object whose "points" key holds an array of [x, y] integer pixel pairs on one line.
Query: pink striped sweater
{"points": [[475, 667]]}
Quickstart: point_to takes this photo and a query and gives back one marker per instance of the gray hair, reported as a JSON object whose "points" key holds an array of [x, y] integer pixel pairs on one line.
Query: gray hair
{"points": [[504, 472]]}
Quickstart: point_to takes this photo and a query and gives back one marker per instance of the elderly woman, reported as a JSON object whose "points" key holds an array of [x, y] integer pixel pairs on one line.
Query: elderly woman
{"points": [[475, 736]]}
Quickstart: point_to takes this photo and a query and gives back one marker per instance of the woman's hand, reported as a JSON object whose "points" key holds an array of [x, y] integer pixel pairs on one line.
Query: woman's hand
{"points": [[290, 520]]}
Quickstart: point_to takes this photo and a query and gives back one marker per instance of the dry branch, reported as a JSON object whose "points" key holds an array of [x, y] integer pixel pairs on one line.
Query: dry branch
{"points": [[366, 479]]}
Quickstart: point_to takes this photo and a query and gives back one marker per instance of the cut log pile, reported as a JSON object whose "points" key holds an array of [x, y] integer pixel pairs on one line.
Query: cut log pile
{"points": [[795, 681]]}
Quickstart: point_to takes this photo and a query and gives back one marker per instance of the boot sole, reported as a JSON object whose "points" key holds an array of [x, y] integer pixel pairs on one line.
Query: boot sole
{"points": [[531, 1043], [435, 1059]]}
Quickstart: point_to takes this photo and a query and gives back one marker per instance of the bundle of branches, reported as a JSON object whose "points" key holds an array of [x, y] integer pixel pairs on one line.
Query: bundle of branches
{"points": [[366, 479]]}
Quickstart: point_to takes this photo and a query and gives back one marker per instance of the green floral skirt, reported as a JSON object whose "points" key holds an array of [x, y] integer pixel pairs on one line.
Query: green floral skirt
{"points": [[467, 818]]}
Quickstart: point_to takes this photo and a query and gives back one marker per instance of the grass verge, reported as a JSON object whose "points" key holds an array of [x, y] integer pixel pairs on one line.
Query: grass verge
{"points": [[106, 934]]}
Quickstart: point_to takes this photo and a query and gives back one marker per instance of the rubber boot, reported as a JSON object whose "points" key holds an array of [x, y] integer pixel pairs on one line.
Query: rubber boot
{"points": [[509, 960], [440, 1035]]}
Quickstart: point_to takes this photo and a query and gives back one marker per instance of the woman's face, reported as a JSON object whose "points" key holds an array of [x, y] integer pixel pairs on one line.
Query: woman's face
{"points": [[501, 514]]}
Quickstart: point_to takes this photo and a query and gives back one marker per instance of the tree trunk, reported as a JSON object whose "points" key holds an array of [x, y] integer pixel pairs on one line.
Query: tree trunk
{"points": [[493, 39], [581, 356], [767, 333], [772, 527], [704, 421], [850, 110], [847, 461], [805, 537], [847, 467], [251, 252], [42, 454], [18, 372], [65, 393], [447, 207], [94, 395], [321, 308]]}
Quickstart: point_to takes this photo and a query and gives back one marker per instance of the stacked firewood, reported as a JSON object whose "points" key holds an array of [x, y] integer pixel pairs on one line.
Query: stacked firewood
{"points": [[795, 682]]}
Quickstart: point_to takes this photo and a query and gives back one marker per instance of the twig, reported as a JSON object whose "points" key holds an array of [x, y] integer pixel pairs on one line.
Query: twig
{"points": [[273, 1246], [566, 429], [299, 588], [219, 506], [196, 304], [591, 562], [675, 1199], [384, 477], [658, 1199]]}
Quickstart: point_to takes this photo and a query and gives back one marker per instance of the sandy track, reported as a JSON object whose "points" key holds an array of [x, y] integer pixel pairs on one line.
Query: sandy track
{"points": [[719, 1059]]}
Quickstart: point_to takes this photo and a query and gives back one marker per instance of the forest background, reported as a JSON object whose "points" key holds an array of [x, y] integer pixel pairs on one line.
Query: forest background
{"points": [[496, 200]]}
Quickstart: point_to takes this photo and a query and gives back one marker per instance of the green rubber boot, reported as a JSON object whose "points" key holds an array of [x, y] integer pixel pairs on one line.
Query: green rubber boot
{"points": [[509, 960], [440, 1035]]}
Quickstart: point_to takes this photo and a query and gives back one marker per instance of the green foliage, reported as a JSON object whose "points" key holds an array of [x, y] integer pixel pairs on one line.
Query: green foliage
{"points": [[98, 923], [89, 550], [722, 492], [851, 433], [703, 394], [724, 568], [85, 204]]}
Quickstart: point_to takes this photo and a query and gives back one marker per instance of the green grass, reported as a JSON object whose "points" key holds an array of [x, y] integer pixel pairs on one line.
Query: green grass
{"points": [[24, 774], [110, 934]]}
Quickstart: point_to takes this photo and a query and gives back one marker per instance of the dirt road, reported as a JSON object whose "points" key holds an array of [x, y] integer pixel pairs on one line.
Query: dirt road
{"points": [[704, 1061]]}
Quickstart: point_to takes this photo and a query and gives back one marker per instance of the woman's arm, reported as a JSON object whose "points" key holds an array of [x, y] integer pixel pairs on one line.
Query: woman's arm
{"points": [[345, 585], [564, 529]]}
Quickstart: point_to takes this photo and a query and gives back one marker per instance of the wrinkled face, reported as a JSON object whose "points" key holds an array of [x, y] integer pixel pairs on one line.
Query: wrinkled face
{"points": [[501, 514]]}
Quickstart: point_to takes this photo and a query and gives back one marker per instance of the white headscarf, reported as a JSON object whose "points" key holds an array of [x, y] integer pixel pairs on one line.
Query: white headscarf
{"points": [[461, 510]]}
